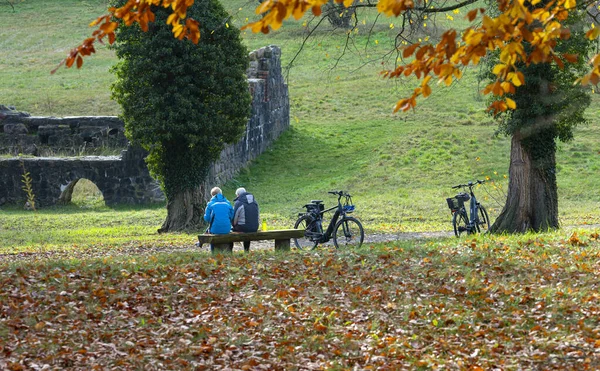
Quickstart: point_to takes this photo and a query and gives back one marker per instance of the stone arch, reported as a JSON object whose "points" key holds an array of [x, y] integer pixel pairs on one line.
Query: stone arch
{"points": [[66, 195]]}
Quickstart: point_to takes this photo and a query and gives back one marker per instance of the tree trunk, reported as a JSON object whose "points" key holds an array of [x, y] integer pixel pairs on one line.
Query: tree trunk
{"points": [[532, 200], [184, 210]]}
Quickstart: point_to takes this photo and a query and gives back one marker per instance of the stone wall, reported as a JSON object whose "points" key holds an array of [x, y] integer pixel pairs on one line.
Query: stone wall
{"points": [[21, 133], [121, 179], [125, 178]]}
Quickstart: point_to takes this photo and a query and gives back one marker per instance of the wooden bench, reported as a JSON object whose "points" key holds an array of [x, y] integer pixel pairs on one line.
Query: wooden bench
{"points": [[222, 242]]}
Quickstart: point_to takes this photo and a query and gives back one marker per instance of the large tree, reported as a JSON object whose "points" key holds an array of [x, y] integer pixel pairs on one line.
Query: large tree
{"points": [[547, 109], [182, 101]]}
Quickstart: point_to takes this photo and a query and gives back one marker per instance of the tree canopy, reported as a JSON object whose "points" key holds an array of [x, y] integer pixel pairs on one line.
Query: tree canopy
{"points": [[538, 24]]}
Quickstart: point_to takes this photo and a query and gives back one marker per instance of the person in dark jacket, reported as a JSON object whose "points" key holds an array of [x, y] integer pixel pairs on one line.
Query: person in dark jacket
{"points": [[246, 214], [218, 213]]}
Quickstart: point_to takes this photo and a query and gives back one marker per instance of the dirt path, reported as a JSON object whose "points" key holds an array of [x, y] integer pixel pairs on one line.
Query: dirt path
{"points": [[262, 245]]}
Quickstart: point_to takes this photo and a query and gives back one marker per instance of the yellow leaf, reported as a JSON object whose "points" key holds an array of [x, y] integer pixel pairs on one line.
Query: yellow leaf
{"points": [[172, 18], [498, 69], [518, 79], [507, 87], [426, 91], [511, 103], [570, 4], [585, 80], [448, 80], [593, 33], [263, 7]]}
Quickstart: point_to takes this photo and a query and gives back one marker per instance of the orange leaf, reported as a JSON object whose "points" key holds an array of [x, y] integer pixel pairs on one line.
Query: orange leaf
{"points": [[319, 327], [408, 51], [109, 27], [70, 61], [316, 10], [572, 58], [471, 15], [79, 61]]}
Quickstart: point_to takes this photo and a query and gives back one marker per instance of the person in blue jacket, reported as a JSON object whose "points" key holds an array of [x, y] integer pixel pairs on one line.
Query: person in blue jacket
{"points": [[218, 214]]}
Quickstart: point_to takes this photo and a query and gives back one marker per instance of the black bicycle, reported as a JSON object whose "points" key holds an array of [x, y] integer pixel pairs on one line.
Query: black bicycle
{"points": [[346, 231], [479, 221]]}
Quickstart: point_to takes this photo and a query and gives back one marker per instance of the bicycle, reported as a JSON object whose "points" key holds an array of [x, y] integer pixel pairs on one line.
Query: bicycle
{"points": [[346, 231], [477, 221]]}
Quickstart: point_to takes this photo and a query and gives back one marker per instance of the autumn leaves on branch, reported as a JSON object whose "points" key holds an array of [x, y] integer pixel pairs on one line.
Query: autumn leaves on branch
{"points": [[135, 11], [539, 24]]}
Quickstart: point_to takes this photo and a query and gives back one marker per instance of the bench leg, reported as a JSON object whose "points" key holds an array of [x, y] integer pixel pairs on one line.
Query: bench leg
{"points": [[282, 245], [221, 248]]}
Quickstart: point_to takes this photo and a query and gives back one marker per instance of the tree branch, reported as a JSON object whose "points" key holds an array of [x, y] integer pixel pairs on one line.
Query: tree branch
{"points": [[11, 5]]}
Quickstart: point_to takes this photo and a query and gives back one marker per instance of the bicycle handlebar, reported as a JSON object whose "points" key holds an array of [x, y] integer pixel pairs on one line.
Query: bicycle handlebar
{"points": [[338, 193], [470, 184]]}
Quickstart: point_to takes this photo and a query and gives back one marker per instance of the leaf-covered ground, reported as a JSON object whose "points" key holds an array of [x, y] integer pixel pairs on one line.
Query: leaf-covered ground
{"points": [[493, 303]]}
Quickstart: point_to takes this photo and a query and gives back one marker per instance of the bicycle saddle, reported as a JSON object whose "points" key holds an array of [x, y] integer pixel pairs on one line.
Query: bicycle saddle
{"points": [[316, 202]]}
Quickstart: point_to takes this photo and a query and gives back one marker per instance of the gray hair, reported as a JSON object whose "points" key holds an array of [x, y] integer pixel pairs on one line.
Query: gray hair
{"points": [[239, 191], [215, 191]]}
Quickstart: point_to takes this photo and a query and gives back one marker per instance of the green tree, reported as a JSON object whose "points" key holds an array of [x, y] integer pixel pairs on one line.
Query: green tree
{"points": [[182, 102], [548, 107]]}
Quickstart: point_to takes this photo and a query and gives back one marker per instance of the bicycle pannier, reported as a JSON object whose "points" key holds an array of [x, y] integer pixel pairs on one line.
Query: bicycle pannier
{"points": [[314, 207]]}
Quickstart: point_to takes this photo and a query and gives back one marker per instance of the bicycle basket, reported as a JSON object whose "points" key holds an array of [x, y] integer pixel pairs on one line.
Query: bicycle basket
{"points": [[457, 202], [454, 204]]}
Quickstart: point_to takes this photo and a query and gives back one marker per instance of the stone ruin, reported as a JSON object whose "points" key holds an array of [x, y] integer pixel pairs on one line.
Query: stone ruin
{"points": [[68, 136], [124, 178]]}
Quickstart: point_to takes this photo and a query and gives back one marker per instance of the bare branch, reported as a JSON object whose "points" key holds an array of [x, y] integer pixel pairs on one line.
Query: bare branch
{"points": [[11, 5], [289, 66]]}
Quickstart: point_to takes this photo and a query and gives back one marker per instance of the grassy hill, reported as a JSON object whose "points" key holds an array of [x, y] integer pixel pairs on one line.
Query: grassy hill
{"points": [[399, 167]]}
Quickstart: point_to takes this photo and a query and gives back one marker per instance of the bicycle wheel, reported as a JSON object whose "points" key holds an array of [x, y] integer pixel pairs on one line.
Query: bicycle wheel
{"points": [[484, 219], [460, 222], [348, 233], [310, 240]]}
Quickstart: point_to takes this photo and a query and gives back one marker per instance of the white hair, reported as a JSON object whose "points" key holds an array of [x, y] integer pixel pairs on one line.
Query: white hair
{"points": [[215, 191], [239, 191]]}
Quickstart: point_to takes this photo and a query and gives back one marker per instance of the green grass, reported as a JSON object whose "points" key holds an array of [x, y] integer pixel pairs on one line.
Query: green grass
{"points": [[75, 227], [399, 167]]}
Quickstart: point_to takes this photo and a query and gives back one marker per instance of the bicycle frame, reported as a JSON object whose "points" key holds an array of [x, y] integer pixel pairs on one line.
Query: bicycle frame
{"points": [[473, 215], [339, 211]]}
